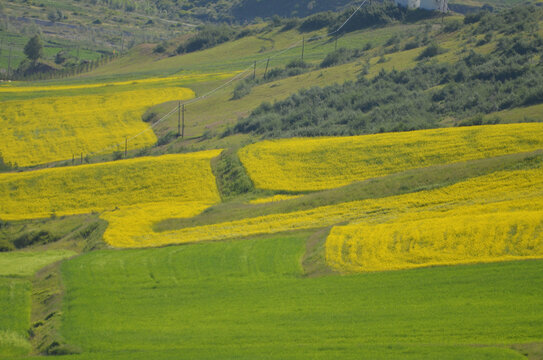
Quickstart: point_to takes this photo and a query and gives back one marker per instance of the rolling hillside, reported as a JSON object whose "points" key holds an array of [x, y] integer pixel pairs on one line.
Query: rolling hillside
{"points": [[274, 192]]}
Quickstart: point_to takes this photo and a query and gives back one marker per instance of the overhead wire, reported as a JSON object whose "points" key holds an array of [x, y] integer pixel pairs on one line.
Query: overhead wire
{"points": [[231, 80]]}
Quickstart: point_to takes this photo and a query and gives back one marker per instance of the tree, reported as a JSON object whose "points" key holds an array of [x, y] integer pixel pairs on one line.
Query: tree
{"points": [[34, 48]]}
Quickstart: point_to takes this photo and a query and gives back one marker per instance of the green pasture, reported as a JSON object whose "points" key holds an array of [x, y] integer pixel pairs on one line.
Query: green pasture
{"points": [[241, 54], [23, 263], [14, 316], [51, 47], [16, 270], [250, 299]]}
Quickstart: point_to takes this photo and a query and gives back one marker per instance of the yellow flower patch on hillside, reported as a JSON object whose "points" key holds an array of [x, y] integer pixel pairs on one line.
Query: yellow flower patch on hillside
{"points": [[48, 129], [99, 187], [326, 163], [520, 190]]}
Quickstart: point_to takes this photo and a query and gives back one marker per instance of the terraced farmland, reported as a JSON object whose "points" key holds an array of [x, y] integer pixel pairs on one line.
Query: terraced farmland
{"points": [[325, 163], [518, 190], [44, 129], [130, 194], [320, 248], [98, 187]]}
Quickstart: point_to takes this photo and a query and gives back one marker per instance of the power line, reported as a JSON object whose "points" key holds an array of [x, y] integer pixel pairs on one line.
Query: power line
{"points": [[241, 74]]}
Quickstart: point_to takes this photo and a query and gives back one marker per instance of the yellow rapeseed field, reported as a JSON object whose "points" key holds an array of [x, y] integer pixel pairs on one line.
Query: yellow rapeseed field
{"points": [[47, 129], [441, 239], [505, 191], [20, 87], [491, 218], [325, 163], [132, 226], [168, 179]]}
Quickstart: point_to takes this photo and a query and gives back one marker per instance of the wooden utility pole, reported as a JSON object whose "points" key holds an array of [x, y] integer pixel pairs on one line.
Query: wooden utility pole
{"points": [[81, 158], [254, 72], [266, 71], [73, 159], [179, 119], [9, 62], [303, 47], [183, 121], [122, 42], [125, 146]]}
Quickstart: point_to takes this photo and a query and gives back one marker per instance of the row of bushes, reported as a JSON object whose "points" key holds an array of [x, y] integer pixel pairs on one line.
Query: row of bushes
{"points": [[412, 99], [210, 36]]}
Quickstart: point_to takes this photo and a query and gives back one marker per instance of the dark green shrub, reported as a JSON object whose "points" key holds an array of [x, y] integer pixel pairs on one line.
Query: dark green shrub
{"points": [[431, 50], [340, 56], [34, 238]]}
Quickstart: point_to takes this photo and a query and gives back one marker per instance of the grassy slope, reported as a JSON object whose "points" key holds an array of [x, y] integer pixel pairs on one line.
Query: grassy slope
{"points": [[249, 299], [14, 316], [241, 54]]}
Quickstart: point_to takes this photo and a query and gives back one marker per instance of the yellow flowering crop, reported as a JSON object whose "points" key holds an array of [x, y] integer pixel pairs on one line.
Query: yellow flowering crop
{"points": [[99, 187], [55, 128], [158, 80], [132, 226], [325, 163], [274, 198], [441, 239], [507, 191]]}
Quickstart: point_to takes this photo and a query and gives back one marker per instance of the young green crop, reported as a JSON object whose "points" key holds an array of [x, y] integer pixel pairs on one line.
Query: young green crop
{"points": [[249, 300]]}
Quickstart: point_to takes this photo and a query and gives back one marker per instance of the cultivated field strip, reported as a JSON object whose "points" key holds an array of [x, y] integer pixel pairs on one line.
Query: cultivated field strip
{"points": [[489, 234], [326, 163], [58, 127], [520, 190], [109, 186]]}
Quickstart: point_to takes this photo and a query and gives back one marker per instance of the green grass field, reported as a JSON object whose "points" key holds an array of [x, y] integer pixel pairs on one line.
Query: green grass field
{"points": [[250, 299], [14, 317], [16, 270]]}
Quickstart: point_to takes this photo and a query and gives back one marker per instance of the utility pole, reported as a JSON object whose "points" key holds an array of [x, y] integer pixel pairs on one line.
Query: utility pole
{"points": [[125, 146], [122, 42], [183, 122], [254, 71], [179, 119], [9, 62], [266, 71], [81, 158], [73, 159], [303, 47]]}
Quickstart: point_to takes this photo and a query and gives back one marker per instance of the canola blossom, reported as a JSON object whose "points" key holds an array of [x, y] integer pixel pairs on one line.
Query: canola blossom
{"points": [[326, 163], [20, 88], [168, 179], [507, 191], [132, 226], [441, 239], [54, 128]]}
